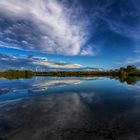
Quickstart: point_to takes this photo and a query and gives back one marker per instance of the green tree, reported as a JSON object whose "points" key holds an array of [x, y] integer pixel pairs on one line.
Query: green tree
{"points": [[131, 69]]}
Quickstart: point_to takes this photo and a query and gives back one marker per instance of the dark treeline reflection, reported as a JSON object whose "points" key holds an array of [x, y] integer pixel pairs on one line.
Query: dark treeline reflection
{"points": [[131, 80]]}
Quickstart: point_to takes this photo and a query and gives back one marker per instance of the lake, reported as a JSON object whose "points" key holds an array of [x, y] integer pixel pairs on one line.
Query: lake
{"points": [[54, 108]]}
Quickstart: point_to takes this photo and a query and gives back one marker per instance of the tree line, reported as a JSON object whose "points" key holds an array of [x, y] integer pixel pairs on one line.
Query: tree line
{"points": [[16, 74], [129, 74]]}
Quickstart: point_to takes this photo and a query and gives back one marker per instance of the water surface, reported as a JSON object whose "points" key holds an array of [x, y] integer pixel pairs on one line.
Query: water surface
{"points": [[53, 108]]}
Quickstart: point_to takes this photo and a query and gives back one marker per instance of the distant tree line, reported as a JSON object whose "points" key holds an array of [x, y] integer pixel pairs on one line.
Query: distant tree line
{"points": [[128, 71], [129, 74], [16, 74]]}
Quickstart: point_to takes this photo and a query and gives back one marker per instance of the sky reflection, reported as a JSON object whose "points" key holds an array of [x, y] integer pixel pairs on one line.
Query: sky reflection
{"points": [[69, 108]]}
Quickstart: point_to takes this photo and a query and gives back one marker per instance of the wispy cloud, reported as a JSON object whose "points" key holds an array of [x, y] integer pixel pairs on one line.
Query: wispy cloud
{"points": [[60, 29], [121, 17], [43, 62], [69, 27], [90, 50], [133, 61], [33, 63]]}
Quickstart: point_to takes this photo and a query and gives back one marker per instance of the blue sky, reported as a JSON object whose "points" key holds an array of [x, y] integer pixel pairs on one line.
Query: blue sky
{"points": [[69, 33]]}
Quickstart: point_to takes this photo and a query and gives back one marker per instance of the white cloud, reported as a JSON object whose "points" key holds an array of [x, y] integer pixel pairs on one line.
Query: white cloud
{"points": [[8, 45], [34, 63], [61, 34], [122, 28], [52, 64], [133, 61], [88, 51]]}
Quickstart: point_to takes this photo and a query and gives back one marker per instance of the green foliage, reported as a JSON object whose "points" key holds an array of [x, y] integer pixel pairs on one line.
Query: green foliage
{"points": [[128, 70], [131, 69], [16, 74]]}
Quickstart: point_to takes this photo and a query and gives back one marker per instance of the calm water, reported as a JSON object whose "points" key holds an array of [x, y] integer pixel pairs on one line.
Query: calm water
{"points": [[44, 108]]}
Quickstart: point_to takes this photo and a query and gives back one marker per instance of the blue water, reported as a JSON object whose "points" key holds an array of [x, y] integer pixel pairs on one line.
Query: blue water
{"points": [[53, 108]]}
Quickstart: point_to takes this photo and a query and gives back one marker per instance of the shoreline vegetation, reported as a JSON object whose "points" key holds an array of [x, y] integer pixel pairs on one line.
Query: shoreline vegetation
{"points": [[130, 74]]}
